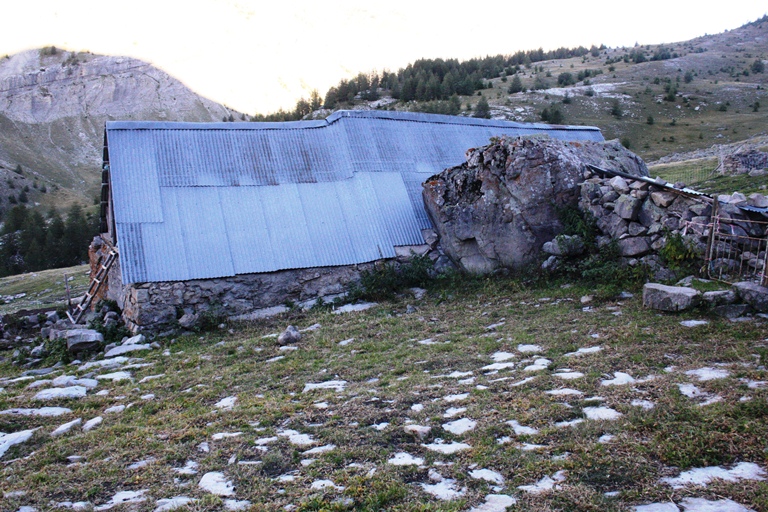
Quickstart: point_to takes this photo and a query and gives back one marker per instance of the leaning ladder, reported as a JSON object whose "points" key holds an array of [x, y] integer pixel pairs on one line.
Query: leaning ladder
{"points": [[93, 288]]}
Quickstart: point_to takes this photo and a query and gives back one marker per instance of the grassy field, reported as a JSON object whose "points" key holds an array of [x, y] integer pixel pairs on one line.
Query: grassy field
{"points": [[43, 289], [461, 355]]}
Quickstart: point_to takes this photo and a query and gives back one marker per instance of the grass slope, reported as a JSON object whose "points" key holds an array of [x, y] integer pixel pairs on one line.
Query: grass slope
{"points": [[392, 378]]}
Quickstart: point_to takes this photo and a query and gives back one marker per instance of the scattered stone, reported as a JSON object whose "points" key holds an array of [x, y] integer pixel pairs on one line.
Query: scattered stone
{"points": [[488, 476], [498, 366], [167, 504], [42, 411], [63, 429], [461, 426], [236, 505], [349, 308], [141, 464], [702, 476], [421, 431], [538, 364], [529, 349], [319, 485], [705, 374], [657, 507], [522, 430], [645, 404], [571, 423], [115, 409], [289, 336], [8, 440], [80, 340], [115, 377], [568, 375], [226, 404], [190, 468], [123, 497], [704, 505], [444, 490], [61, 393], [564, 245], [113, 362], [226, 435], [619, 379], [564, 392], [584, 351], [405, 459], [606, 438], [601, 413], [337, 385], [454, 411], [456, 398], [495, 503], [216, 483], [669, 298], [693, 323], [545, 484], [446, 448], [92, 423], [126, 349], [344, 343], [297, 438]]}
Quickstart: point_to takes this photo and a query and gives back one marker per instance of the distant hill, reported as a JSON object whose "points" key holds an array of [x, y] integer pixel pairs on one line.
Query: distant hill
{"points": [[657, 99], [53, 106]]}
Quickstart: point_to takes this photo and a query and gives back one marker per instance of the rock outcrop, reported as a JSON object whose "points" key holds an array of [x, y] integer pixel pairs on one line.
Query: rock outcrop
{"points": [[499, 208]]}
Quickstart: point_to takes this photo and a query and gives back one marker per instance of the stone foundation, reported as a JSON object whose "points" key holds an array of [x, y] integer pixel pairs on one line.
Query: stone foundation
{"points": [[157, 306]]}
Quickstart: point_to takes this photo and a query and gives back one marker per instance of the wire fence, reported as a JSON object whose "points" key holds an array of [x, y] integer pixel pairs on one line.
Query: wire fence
{"points": [[737, 250]]}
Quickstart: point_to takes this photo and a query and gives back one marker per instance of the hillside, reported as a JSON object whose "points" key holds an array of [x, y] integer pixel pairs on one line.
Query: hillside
{"points": [[53, 106]]}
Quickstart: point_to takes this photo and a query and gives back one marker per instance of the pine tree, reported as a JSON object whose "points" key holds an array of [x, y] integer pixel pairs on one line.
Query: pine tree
{"points": [[482, 109]]}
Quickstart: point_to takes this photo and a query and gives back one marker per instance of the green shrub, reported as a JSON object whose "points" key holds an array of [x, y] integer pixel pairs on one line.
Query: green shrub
{"points": [[679, 253], [386, 279]]}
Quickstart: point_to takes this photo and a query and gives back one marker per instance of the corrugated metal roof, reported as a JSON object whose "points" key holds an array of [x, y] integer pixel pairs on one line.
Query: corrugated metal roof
{"points": [[201, 200]]}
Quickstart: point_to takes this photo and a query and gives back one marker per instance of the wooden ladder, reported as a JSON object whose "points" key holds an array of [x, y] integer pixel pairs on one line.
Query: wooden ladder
{"points": [[93, 288]]}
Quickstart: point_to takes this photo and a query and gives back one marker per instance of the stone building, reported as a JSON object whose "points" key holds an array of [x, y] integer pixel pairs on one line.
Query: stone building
{"points": [[247, 216]]}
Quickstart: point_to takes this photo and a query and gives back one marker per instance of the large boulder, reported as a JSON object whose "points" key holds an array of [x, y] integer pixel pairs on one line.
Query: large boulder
{"points": [[499, 208], [80, 340], [753, 294], [670, 298]]}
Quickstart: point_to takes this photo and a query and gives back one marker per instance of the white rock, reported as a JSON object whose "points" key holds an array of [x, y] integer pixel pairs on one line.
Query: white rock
{"points": [[226, 403], [706, 373], [564, 392], [498, 366], [297, 438], [495, 503], [545, 484], [500, 357], [115, 409], [522, 430], [141, 464], [320, 449], [92, 423], [704, 505], [380, 426], [337, 385], [419, 430], [417, 407], [620, 379], [584, 351], [61, 393], [487, 475], [657, 507], [454, 411], [216, 483], [344, 343], [444, 490], [115, 376], [572, 423], [529, 349], [529, 447], [235, 505], [446, 448], [348, 308], [42, 411], [538, 364], [63, 429], [190, 468], [148, 396], [166, 504], [522, 382], [225, 435], [151, 377], [461, 426], [693, 323], [645, 404], [456, 398], [702, 476], [204, 447], [325, 484], [601, 413], [570, 375], [125, 349], [405, 459], [105, 363], [124, 497], [14, 438], [606, 438]]}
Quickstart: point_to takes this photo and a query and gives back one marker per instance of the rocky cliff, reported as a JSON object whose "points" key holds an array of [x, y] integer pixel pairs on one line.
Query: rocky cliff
{"points": [[499, 208], [54, 103]]}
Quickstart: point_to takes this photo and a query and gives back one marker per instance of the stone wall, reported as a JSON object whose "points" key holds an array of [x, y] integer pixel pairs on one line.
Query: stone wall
{"points": [[640, 216], [157, 306]]}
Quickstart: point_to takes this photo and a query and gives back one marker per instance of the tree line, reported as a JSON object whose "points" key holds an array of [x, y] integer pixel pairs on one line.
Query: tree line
{"points": [[438, 81], [30, 241]]}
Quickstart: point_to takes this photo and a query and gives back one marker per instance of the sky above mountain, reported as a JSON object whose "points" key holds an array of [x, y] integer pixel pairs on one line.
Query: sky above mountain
{"points": [[258, 56]]}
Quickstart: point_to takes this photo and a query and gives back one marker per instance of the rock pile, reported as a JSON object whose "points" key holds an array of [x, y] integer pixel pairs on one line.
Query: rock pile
{"points": [[640, 216], [499, 208]]}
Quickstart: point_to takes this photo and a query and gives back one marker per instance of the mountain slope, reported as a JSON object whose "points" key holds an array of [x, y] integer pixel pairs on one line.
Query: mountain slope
{"points": [[53, 106]]}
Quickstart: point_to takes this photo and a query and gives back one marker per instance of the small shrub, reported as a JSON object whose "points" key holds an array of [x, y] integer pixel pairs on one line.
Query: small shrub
{"points": [[679, 253], [386, 279]]}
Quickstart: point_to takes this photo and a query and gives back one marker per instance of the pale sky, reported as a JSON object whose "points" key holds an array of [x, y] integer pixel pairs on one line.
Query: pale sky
{"points": [[258, 56]]}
